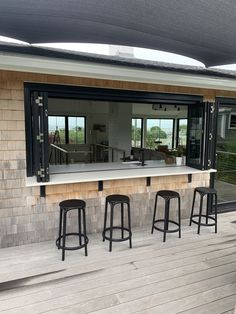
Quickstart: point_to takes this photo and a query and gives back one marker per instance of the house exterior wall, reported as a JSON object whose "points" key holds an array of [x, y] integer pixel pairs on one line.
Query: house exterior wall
{"points": [[26, 217]]}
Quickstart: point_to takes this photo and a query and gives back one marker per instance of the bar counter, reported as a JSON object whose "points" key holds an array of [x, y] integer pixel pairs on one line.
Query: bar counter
{"points": [[115, 171]]}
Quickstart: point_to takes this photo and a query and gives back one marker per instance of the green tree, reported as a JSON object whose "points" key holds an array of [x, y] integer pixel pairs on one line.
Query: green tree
{"points": [[76, 135], [136, 136], [155, 133]]}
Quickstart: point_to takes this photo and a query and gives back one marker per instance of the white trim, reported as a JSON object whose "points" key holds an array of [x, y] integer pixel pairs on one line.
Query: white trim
{"points": [[54, 66], [94, 176]]}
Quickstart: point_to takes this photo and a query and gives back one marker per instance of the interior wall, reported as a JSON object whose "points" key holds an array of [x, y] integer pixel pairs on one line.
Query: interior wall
{"points": [[96, 113], [120, 128]]}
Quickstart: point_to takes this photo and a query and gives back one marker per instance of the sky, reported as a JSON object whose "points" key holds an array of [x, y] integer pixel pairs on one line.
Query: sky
{"points": [[139, 53]]}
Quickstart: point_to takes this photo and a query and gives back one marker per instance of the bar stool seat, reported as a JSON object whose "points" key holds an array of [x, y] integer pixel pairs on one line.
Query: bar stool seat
{"points": [[65, 207], [167, 195], [202, 192], [113, 200]]}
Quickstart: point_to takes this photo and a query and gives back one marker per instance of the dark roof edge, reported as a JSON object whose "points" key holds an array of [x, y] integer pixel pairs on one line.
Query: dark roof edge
{"points": [[113, 60]]}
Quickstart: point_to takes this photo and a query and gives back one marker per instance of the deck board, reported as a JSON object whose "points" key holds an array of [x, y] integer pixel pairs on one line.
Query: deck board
{"points": [[194, 274]]}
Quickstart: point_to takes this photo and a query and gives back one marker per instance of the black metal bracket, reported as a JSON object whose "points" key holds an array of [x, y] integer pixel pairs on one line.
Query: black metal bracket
{"points": [[148, 181], [42, 191], [189, 178], [100, 185]]}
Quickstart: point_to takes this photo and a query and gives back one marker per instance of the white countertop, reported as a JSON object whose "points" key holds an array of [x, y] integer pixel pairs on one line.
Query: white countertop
{"points": [[76, 177]]}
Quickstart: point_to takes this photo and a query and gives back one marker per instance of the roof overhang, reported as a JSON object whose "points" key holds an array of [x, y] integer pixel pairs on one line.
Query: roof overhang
{"points": [[46, 65]]}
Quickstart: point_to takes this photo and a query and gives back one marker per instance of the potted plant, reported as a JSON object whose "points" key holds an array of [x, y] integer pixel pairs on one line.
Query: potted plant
{"points": [[178, 153], [178, 159]]}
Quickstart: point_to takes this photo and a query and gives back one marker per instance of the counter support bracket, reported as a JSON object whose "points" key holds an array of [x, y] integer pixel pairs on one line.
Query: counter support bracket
{"points": [[189, 178], [100, 185], [148, 181], [42, 191]]}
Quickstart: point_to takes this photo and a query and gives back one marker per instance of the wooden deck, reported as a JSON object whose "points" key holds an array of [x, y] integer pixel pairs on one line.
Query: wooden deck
{"points": [[194, 274]]}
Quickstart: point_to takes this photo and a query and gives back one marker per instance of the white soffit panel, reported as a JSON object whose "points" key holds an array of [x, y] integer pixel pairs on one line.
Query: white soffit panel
{"points": [[112, 72]]}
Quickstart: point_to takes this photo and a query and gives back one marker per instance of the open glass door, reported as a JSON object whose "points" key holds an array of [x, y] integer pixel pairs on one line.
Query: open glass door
{"points": [[39, 109], [200, 139], [225, 182]]}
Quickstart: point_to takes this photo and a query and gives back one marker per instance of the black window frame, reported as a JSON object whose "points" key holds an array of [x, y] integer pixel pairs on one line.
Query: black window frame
{"points": [[85, 128], [173, 128], [92, 93], [177, 130], [59, 115], [67, 126], [142, 130]]}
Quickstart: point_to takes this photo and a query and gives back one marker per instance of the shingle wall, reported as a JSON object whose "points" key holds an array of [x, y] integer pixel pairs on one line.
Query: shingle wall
{"points": [[26, 217]]}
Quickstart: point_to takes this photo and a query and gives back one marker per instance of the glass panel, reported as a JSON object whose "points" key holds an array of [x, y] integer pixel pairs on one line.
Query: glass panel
{"points": [[136, 140], [56, 129], [159, 131], [226, 154], [182, 135], [76, 126], [195, 144]]}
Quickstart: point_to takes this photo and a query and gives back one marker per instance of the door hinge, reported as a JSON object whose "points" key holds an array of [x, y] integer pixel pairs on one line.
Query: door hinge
{"points": [[209, 163], [212, 108], [39, 101], [40, 137], [41, 172], [210, 136]]}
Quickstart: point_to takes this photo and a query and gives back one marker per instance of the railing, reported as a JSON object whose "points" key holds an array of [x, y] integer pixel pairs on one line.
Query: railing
{"points": [[59, 154], [226, 166], [108, 148]]}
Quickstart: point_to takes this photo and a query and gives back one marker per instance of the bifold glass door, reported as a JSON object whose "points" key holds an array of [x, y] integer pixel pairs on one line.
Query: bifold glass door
{"points": [[201, 138], [39, 121], [226, 153]]}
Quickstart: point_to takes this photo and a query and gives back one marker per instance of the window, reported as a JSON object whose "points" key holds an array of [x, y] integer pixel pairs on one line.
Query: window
{"points": [[56, 129], [232, 121], [40, 128], [137, 132], [76, 130], [159, 131], [59, 133], [182, 132]]}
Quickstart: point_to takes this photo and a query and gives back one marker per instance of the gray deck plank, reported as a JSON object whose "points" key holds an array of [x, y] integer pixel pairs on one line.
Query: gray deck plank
{"points": [[152, 277]]}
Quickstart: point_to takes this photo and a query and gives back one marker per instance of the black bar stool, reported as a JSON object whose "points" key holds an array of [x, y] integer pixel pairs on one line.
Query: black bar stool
{"points": [[114, 200], [208, 192], [65, 207], [167, 195]]}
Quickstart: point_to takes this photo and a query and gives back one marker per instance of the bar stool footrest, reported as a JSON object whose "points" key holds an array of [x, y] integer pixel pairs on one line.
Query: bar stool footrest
{"points": [[116, 239], [202, 223], [72, 248], [167, 231]]}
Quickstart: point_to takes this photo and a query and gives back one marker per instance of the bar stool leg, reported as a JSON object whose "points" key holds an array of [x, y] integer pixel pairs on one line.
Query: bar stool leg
{"points": [[154, 213], [79, 225], [122, 221], [191, 216], [85, 233], [216, 213], [60, 227], [105, 221], [166, 222], [64, 235], [129, 224], [179, 217], [111, 227], [209, 201], [200, 214]]}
